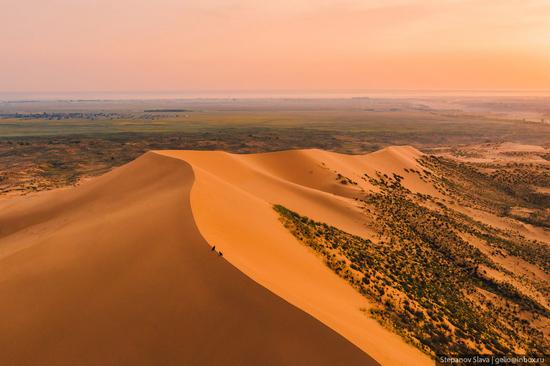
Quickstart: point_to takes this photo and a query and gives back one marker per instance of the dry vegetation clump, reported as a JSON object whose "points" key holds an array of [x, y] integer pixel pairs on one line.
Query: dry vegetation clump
{"points": [[493, 187], [430, 285], [344, 180], [461, 153]]}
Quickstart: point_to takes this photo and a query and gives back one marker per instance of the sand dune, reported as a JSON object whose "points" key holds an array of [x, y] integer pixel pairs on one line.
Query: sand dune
{"points": [[119, 271], [232, 204], [116, 272]]}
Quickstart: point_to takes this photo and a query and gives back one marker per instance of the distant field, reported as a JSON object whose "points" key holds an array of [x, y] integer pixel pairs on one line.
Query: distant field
{"points": [[383, 121], [418, 128], [50, 144]]}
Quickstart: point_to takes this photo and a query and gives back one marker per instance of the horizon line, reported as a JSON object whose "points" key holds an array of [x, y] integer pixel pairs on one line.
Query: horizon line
{"points": [[37, 96]]}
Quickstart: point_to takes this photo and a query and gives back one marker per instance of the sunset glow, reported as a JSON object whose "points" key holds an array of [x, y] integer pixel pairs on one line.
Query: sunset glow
{"points": [[171, 45]]}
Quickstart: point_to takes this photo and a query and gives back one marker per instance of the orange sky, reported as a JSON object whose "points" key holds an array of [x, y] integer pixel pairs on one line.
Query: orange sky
{"points": [[185, 45]]}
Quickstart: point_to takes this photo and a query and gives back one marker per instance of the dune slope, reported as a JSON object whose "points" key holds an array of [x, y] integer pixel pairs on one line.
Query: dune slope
{"points": [[232, 201], [115, 272]]}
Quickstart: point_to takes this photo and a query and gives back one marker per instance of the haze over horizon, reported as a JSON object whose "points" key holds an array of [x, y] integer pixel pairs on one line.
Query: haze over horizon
{"points": [[219, 45]]}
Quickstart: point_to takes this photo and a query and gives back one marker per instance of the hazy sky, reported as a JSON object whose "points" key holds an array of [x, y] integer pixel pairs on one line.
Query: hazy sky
{"points": [[169, 45]]}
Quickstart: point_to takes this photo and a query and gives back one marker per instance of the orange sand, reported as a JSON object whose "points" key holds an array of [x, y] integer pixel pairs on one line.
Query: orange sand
{"points": [[115, 272]]}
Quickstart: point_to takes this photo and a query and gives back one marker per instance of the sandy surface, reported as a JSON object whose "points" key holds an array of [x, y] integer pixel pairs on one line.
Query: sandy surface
{"points": [[116, 272], [232, 202]]}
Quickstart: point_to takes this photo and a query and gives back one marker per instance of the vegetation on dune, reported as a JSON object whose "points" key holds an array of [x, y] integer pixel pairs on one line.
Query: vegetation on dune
{"points": [[430, 285], [342, 179], [492, 187]]}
